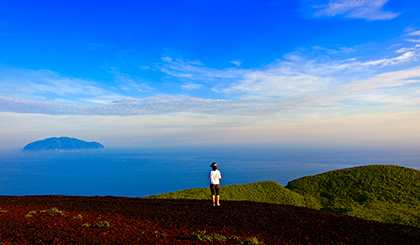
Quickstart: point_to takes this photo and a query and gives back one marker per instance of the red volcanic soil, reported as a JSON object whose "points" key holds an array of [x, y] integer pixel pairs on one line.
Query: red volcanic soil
{"points": [[75, 220]]}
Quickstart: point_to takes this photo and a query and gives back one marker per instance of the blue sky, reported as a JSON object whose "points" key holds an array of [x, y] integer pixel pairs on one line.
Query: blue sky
{"points": [[140, 73]]}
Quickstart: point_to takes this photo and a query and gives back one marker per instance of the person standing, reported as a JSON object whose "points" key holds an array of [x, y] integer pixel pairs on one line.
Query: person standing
{"points": [[215, 176]]}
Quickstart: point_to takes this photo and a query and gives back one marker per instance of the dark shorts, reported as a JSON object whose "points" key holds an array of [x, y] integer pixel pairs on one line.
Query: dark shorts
{"points": [[214, 188]]}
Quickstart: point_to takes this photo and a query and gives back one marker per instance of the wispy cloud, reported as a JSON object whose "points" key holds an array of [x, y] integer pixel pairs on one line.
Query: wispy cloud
{"points": [[127, 83], [290, 85], [414, 33], [50, 86], [276, 82], [191, 86], [132, 106], [236, 62], [298, 75], [412, 40], [194, 74], [384, 80], [297, 82], [359, 9], [195, 70]]}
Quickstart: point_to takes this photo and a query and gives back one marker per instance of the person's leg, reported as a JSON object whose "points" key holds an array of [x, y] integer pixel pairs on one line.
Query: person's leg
{"points": [[217, 195], [212, 194]]}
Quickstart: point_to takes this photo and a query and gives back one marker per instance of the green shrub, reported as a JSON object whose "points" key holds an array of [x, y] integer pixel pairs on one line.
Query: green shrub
{"points": [[202, 236], [102, 224], [97, 225], [251, 240], [78, 217], [30, 214], [385, 193], [87, 225], [53, 211]]}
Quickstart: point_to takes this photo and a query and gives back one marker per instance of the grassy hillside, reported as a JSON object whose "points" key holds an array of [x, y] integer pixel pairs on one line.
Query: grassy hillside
{"points": [[266, 191], [383, 193], [378, 192]]}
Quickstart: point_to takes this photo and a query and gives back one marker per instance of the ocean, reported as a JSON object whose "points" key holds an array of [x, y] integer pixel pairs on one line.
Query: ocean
{"points": [[144, 172]]}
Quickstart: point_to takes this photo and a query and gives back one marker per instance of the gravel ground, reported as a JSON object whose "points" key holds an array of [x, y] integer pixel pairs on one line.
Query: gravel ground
{"points": [[121, 220]]}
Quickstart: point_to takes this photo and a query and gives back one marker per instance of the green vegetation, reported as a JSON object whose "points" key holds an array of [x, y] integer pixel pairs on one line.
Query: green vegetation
{"points": [[78, 217], [251, 240], [97, 225], [102, 224], [266, 191], [202, 236], [30, 214], [53, 211], [385, 193], [158, 234]]}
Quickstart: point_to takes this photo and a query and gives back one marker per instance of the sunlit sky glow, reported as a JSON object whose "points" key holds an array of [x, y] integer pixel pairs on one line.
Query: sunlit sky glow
{"points": [[158, 73]]}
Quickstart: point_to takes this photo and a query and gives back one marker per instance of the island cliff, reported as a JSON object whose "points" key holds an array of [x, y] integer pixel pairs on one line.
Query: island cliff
{"points": [[62, 144]]}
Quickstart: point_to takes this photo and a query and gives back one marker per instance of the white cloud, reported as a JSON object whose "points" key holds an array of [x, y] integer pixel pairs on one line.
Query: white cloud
{"points": [[192, 86], [407, 54], [360, 9], [194, 70], [384, 80], [296, 82], [291, 85], [143, 106], [163, 105], [236, 62], [300, 76], [50, 86], [292, 76], [276, 81], [331, 51], [127, 83], [412, 40], [414, 33]]}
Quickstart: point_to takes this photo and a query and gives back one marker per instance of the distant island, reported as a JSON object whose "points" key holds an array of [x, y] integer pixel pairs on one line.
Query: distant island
{"points": [[62, 144]]}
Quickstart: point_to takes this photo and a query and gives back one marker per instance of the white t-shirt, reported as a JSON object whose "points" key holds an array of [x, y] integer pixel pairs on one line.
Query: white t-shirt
{"points": [[214, 177]]}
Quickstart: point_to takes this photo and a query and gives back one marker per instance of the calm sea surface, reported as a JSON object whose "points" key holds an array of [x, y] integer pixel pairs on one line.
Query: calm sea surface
{"points": [[138, 173]]}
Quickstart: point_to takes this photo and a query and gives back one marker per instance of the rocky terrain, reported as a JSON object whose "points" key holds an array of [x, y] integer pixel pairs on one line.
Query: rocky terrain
{"points": [[120, 220]]}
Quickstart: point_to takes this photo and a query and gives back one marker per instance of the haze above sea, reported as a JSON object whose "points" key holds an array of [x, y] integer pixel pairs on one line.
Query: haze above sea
{"points": [[143, 172]]}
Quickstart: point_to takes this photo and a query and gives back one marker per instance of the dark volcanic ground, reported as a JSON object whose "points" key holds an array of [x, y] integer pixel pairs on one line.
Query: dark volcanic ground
{"points": [[66, 220]]}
